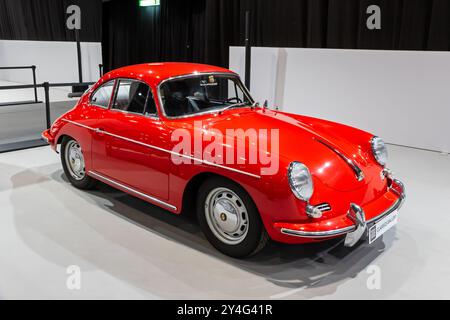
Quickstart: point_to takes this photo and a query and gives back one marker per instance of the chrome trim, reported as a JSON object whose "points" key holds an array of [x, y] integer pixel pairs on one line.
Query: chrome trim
{"points": [[120, 185], [357, 215], [97, 130], [317, 234], [402, 193], [386, 173], [313, 212], [78, 124], [98, 88], [343, 231], [190, 75], [143, 114], [394, 207], [323, 207], [358, 172]]}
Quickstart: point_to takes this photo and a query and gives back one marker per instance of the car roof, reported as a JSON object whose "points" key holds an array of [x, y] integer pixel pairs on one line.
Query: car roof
{"points": [[154, 73]]}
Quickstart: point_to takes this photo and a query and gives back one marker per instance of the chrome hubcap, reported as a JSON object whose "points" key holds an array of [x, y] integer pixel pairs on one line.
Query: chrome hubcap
{"points": [[75, 160], [226, 216]]}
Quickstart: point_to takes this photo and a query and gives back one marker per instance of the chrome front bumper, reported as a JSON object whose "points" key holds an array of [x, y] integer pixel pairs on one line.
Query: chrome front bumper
{"points": [[357, 216]]}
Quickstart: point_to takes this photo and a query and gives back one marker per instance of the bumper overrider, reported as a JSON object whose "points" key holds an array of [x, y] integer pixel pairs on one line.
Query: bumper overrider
{"points": [[358, 224]]}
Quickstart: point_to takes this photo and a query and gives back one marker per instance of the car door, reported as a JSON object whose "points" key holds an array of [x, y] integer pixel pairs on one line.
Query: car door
{"points": [[128, 140]]}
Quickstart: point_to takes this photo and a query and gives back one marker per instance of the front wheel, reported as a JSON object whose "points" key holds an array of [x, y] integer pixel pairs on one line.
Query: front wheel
{"points": [[72, 160], [229, 218]]}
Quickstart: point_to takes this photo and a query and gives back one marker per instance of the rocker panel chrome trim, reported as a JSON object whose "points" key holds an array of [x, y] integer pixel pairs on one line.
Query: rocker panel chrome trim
{"points": [[122, 186]]}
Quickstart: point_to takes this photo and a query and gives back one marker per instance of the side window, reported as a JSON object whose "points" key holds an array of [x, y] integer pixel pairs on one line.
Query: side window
{"points": [[131, 96], [102, 95]]}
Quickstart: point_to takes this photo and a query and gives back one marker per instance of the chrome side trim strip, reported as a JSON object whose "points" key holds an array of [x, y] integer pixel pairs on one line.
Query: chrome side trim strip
{"points": [[115, 183], [78, 124], [165, 150], [358, 172]]}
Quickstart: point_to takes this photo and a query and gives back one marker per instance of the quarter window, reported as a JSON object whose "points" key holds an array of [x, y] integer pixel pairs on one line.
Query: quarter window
{"points": [[150, 110], [131, 96], [102, 95]]}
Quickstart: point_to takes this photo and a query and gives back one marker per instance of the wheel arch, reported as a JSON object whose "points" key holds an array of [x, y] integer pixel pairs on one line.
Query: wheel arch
{"points": [[190, 191], [59, 142], [61, 138]]}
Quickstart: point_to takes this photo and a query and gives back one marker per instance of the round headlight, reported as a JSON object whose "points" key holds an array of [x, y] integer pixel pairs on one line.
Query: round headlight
{"points": [[300, 181], [379, 150]]}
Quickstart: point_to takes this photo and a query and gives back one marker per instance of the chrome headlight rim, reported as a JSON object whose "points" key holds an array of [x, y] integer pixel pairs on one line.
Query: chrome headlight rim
{"points": [[381, 159], [298, 193]]}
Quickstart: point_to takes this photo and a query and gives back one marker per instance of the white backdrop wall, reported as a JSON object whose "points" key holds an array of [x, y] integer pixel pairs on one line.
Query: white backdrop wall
{"points": [[55, 61], [402, 96]]}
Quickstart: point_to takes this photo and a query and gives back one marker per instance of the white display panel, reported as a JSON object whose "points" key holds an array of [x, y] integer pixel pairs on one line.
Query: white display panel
{"points": [[402, 96], [56, 61]]}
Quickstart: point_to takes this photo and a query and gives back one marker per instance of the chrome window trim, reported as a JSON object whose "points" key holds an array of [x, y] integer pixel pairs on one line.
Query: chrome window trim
{"points": [[191, 75], [358, 172], [164, 150], [98, 88], [116, 87], [120, 185]]}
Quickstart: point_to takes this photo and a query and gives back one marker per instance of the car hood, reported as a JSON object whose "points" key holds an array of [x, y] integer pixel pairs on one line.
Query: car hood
{"points": [[320, 145]]}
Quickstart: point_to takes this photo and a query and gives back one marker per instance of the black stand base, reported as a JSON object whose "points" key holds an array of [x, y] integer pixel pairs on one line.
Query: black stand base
{"points": [[8, 147], [17, 103]]}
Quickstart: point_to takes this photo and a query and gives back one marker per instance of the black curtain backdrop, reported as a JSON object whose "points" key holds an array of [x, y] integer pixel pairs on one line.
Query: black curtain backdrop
{"points": [[45, 20], [203, 30]]}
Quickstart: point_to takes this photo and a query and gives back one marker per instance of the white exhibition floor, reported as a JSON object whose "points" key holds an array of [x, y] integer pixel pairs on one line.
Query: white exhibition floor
{"points": [[126, 248]]}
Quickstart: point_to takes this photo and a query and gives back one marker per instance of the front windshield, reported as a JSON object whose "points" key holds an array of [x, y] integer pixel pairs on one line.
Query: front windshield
{"points": [[202, 93]]}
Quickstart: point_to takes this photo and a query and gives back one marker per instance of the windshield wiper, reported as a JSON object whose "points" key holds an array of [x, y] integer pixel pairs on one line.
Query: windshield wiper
{"points": [[233, 106]]}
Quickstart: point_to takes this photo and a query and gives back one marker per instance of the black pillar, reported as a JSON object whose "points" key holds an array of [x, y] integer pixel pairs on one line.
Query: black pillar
{"points": [[248, 50], [80, 70], [33, 68], [48, 120]]}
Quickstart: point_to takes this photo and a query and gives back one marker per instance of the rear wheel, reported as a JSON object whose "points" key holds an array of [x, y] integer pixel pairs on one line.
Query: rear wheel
{"points": [[72, 160], [229, 218]]}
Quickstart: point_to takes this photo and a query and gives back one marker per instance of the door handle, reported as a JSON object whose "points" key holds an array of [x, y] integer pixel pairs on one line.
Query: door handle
{"points": [[99, 131]]}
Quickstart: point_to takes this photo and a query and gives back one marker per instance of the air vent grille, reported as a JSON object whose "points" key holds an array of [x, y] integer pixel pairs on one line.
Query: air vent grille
{"points": [[323, 207]]}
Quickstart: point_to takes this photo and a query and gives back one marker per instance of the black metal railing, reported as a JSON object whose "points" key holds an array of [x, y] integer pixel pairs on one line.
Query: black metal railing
{"points": [[33, 69], [46, 86]]}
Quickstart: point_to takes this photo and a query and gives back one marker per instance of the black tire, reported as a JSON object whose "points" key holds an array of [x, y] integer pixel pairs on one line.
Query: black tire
{"points": [[256, 236], [86, 182]]}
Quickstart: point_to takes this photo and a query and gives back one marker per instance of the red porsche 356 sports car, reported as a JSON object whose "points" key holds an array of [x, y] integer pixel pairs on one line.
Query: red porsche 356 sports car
{"points": [[190, 137]]}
